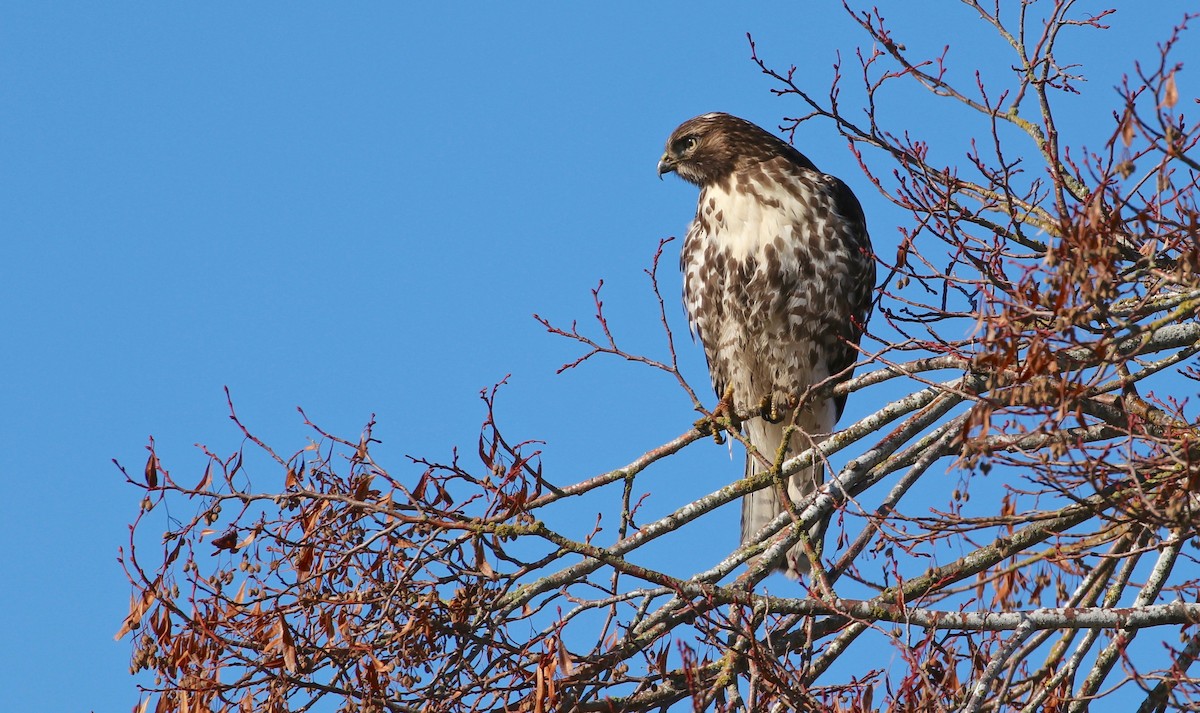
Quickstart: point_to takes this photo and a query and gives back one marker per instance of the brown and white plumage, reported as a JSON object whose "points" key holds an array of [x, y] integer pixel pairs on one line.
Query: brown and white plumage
{"points": [[778, 276]]}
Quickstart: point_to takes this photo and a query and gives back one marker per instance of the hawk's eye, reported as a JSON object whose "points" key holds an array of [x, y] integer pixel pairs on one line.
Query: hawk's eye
{"points": [[685, 144]]}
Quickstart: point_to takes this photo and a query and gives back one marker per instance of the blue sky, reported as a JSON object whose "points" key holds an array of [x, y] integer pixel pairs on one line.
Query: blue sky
{"points": [[356, 208]]}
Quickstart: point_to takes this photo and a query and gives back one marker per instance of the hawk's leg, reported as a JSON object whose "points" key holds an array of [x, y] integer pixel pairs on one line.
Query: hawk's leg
{"points": [[772, 409], [775, 410], [769, 410], [723, 416]]}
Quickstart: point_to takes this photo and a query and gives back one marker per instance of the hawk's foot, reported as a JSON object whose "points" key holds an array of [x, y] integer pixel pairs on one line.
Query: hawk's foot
{"points": [[773, 410], [723, 417], [768, 409]]}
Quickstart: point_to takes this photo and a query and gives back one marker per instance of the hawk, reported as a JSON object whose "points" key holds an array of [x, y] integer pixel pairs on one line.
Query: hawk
{"points": [[778, 277]]}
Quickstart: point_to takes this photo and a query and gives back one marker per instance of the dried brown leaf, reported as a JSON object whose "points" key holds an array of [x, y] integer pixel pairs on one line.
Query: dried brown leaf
{"points": [[246, 540], [228, 541], [1170, 92], [152, 470], [287, 646], [207, 479], [1127, 128], [137, 609]]}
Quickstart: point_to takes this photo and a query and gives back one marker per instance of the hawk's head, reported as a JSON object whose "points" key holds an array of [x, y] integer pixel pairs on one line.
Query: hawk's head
{"points": [[710, 147]]}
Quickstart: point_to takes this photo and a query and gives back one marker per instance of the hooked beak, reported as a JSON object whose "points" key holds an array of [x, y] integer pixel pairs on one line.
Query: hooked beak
{"points": [[665, 165]]}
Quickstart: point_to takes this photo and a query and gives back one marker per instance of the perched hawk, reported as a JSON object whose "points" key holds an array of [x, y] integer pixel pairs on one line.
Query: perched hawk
{"points": [[778, 275]]}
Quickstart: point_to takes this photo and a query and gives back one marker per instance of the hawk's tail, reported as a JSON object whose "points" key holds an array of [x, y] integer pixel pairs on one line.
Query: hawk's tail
{"points": [[761, 506]]}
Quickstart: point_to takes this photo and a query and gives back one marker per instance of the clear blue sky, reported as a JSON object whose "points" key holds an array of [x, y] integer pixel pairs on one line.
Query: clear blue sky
{"points": [[355, 208]]}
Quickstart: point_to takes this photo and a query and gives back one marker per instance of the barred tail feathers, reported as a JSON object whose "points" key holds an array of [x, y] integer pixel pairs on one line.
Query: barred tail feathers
{"points": [[762, 506]]}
